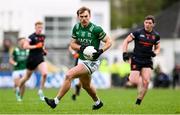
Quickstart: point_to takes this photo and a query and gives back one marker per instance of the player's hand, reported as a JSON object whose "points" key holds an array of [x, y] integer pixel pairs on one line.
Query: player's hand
{"points": [[15, 64], [125, 56], [45, 52], [97, 54], [75, 55], [39, 45], [82, 48], [153, 54]]}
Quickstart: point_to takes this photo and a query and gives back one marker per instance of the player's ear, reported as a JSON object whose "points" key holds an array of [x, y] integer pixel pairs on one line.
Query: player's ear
{"points": [[77, 17]]}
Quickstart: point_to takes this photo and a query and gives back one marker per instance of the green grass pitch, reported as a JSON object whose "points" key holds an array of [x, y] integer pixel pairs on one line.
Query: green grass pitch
{"points": [[116, 101]]}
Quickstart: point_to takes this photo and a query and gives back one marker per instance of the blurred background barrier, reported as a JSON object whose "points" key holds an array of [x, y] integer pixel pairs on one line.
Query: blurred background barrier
{"points": [[54, 80], [7, 81]]}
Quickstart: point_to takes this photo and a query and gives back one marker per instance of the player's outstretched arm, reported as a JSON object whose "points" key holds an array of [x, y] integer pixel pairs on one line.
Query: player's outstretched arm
{"points": [[157, 49], [73, 52], [26, 45], [74, 45], [12, 61], [106, 46], [126, 41], [108, 42]]}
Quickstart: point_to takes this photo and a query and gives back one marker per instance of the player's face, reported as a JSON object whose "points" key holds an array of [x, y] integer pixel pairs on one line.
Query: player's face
{"points": [[84, 18], [21, 42], [148, 25], [39, 28]]}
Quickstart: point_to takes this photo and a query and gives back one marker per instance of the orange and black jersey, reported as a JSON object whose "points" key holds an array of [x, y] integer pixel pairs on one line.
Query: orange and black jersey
{"points": [[33, 40], [144, 42], [35, 55]]}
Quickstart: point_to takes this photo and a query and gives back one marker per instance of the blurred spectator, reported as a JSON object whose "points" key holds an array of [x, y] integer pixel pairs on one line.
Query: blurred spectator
{"points": [[124, 72], [119, 72], [160, 79], [175, 75], [7, 44], [104, 67], [115, 78], [4, 57]]}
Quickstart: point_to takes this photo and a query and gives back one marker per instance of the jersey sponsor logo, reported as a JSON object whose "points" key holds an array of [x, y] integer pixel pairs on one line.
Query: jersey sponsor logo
{"points": [[85, 41], [145, 43]]}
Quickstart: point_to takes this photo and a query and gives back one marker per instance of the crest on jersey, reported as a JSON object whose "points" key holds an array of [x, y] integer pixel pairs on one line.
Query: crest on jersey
{"points": [[153, 37], [141, 35]]}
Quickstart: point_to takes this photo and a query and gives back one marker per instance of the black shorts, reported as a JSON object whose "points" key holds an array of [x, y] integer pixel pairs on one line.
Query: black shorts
{"points": [[33, 61], [138, 64]]}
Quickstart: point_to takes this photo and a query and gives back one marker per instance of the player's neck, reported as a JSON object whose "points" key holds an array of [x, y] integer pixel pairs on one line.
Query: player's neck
{"points": [[37, 33], [85, 26], [149, 30]]}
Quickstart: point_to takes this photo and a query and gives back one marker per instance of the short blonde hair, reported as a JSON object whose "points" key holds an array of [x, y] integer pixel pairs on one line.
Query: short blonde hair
{"points": [[38, 23]]}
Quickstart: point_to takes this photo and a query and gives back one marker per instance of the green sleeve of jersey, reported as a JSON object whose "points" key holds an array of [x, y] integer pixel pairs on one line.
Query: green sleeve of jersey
{"points": [[100, 33], [75, 28]]}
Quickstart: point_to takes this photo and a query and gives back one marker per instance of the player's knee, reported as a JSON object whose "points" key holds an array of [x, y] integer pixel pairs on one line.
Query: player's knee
{"points": [[44, 75], [26, 78], [85, 86], [16, 82], [145, 83], [130, 79], [69, 76], [133, 81]]}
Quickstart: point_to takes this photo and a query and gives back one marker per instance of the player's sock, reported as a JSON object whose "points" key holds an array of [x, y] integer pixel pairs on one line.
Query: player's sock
{"points": [[40, 91], [98, 104], [17, 89], [138, 101], [73, 97], [18, 96], [77, 89], [41, 94], [56, 100]]}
